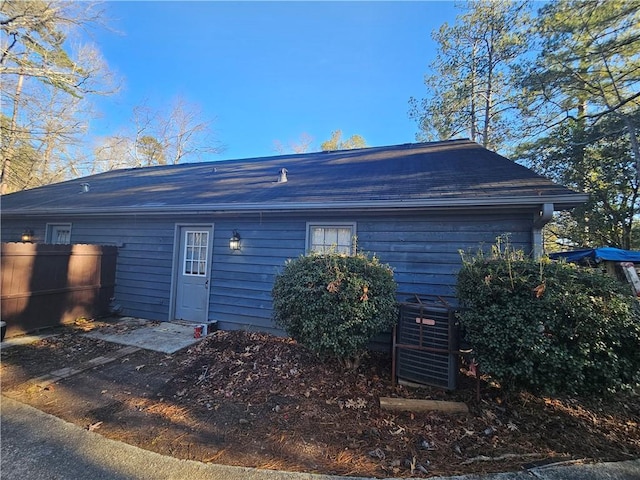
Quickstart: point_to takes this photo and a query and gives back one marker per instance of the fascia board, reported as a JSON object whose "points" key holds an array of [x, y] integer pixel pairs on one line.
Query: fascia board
{"points": [[560, 201]]}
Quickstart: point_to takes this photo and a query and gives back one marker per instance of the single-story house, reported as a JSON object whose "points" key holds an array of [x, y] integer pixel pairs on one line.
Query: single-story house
{"points": [[203, 242]]}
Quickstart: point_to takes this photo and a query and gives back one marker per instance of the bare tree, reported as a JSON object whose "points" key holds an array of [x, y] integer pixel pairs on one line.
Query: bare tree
{"points": [[109, 153], [186, 134], [302, 145], [43, 81], [154, 137]]}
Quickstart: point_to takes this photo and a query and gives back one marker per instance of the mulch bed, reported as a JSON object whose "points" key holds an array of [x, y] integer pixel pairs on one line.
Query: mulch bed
{"points": [[256, 400]]}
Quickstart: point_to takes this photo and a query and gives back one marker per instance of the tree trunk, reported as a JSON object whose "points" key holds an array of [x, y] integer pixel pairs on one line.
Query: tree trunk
{"points": [[472, 113], [488, 97], [11, 141], [635, 146]]}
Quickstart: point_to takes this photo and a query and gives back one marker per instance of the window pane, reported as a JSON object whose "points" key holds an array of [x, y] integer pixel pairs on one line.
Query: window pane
{"points": [[317, 236], [344, 237], [62, 236], [196, 250], [59, 234]]}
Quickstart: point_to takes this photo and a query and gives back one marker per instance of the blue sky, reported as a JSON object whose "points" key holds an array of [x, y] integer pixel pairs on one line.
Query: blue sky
{"points": [[267, 71]]}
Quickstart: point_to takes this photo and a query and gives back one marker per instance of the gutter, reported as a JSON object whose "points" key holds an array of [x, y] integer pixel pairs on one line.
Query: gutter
{"points": [[561, 202], [544, 215]]}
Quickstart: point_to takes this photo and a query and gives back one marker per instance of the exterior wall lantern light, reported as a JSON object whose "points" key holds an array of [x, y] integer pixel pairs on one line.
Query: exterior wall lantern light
{"points": [[234, 241], [27, 236]]}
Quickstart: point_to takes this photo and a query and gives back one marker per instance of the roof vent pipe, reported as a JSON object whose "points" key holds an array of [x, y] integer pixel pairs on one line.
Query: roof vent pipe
{"points": [[84, 187], [282, 177]]}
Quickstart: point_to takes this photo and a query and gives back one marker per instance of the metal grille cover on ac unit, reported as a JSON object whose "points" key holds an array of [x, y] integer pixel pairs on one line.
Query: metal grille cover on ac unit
{"points": [[426, 344]]}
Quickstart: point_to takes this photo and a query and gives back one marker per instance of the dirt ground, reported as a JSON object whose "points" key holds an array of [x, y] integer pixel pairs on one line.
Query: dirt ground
{"points": [[256, 400]]}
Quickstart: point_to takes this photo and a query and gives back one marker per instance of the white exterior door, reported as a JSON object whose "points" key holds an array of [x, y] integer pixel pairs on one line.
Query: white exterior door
{"points": [[193, 273]]}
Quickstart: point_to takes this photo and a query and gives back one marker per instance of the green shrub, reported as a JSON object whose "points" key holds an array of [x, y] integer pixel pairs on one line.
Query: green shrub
{"points": [[549, 327], [335, 304]]}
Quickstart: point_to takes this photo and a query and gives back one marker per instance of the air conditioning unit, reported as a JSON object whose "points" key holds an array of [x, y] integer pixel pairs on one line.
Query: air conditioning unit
{"points": [[425, 344]]}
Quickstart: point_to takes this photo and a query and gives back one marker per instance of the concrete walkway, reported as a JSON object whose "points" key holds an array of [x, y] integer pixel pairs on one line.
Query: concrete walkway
{"points": [[39, 446], [166, 337]]}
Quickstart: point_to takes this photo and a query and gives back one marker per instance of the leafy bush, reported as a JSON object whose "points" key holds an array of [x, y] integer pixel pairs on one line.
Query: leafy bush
{"points": [[549, 327], [335, 304]]}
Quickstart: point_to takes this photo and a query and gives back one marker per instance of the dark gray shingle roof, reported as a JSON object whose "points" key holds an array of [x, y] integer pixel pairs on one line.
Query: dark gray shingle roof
{"points": [[438, 174]]}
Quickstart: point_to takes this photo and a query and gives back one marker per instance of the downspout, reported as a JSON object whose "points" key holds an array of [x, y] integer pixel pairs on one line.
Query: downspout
{"points": [[540, 219]]}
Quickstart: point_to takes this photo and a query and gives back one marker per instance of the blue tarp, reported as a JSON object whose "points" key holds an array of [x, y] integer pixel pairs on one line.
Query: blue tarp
{"points": [[596, 255]]}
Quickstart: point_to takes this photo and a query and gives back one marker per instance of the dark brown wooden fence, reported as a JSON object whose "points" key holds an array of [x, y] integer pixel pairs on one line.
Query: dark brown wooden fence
{"points": [[48, 285]]}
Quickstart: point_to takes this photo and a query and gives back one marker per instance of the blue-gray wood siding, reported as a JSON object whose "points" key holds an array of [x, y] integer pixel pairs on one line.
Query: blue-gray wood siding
{"points": [[424, 251]]}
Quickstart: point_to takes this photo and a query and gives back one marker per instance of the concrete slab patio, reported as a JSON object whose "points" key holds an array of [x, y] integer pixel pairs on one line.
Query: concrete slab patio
{"points": [[165, 337]]}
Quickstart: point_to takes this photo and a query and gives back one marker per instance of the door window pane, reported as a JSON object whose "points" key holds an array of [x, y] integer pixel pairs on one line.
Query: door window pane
{"points": [[196, 252]]}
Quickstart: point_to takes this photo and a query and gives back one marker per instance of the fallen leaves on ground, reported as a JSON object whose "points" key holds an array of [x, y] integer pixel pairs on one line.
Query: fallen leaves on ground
{"points": [[257, 400], [286, 399]]}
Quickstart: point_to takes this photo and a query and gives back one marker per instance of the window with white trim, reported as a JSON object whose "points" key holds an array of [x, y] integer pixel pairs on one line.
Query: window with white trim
{"points": [[331, 238], [58, 233]]}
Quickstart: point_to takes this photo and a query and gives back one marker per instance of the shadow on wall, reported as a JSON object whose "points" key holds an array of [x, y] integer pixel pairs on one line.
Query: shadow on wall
{"points": [[48, 285]]}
